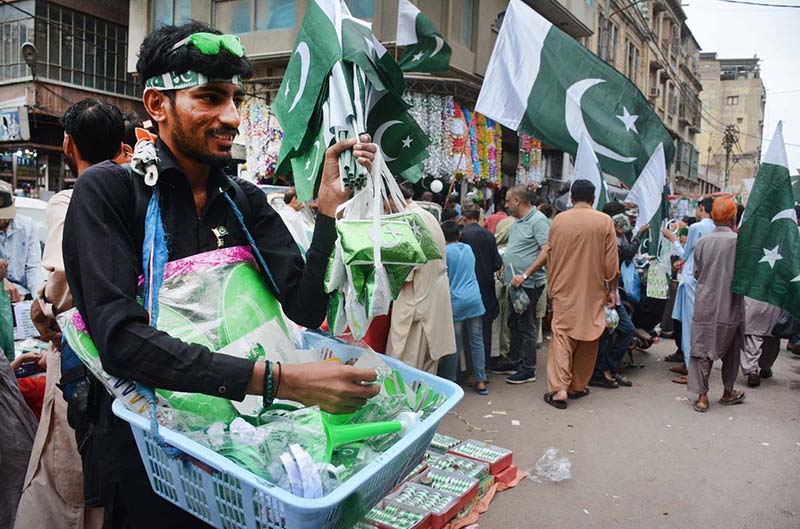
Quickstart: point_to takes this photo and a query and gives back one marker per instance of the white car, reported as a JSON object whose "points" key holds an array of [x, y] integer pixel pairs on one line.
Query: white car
{"points": [[34, 209]]}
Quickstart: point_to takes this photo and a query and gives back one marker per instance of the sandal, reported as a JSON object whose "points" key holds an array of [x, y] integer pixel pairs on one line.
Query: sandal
{"points": [[681, 370], [480, 391], [604, 383], [559, 404], [622, 380], [738, 397], [578, 394], [683, 379], [696, 407]]}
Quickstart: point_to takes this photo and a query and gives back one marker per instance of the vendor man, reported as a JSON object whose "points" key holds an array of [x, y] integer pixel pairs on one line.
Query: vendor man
{"points": [[197, 120]]}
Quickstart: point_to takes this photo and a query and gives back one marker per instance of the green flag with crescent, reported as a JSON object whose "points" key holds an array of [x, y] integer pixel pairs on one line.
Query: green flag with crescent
{"points": [[557, 90], [768, 246], [425, 48]]}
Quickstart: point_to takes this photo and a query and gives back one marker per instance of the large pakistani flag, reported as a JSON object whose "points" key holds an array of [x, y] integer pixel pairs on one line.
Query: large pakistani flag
{"points": [[768, 246], [588, 168], [541, 82], [426, 49]]}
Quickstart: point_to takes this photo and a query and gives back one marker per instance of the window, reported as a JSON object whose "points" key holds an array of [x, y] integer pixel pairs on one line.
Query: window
{"points": [[243, 16], [613, 36], [83, 50], [631, 61], [733, 100], [465, 24], [16, 27], [364, 9], [165, 12]]}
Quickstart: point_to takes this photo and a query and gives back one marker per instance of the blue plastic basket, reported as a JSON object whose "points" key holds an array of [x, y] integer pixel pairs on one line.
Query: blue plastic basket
{"points": [[220, 493]]}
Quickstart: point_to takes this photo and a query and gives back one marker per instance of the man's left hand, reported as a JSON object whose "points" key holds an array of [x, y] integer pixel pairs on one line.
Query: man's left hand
{"points": [[517, 280], [611, 299], [644, 228], [331, 195]]}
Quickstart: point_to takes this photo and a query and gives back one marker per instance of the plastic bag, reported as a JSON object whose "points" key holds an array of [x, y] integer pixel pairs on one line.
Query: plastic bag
{"points": [[6, 325], [612, 318], [657, 281], [519, 299], [552, 466], [631, 282]]}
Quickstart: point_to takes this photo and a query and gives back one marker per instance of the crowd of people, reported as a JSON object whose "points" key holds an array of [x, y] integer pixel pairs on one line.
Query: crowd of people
{"points": [[522, 261], [71, 463]]}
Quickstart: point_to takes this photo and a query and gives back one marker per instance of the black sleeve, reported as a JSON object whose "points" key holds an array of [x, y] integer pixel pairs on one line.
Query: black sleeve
{"points": [[101, 260], [497, 261], [628, 249], [302, 293]]}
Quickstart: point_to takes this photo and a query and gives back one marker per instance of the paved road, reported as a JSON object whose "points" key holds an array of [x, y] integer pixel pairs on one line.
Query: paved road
{"points": [[643, 458]]}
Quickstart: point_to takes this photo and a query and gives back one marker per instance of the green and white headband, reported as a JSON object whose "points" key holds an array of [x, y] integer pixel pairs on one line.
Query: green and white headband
{"points": [[179, 81]]}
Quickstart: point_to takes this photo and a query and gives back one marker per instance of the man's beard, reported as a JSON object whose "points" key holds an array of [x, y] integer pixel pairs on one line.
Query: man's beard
{"points": [[186, 147], [72, 165]]}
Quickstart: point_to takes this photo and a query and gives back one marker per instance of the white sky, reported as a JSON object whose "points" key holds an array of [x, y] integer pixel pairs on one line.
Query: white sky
{"points": [[735, 31]]}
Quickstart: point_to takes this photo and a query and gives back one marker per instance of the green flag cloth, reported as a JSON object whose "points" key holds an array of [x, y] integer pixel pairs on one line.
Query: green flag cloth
{"points": [[768, 246], [298, 102], [401, 140], [557, 90], [362, 47], [426, 50], [306, 167]]}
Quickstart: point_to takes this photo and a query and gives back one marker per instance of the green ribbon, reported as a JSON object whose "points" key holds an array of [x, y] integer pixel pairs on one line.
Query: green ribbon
{"points": [[188, 79]]}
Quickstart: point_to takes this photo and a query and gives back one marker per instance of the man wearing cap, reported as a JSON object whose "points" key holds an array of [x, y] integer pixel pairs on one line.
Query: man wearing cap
{"points": [[191, 77], [19, 245]]}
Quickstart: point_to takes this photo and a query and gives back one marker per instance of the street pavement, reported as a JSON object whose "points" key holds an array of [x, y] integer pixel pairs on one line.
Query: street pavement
{"points": [[641, 457]]}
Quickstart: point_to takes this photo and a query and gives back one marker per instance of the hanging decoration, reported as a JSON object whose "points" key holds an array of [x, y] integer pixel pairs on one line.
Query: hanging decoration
{"points": [[529, 164], [263, 137]]}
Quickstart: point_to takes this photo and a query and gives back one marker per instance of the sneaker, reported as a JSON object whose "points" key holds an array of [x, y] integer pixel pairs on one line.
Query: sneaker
{"points": [[521, 376], [502, 367], [753, 380], [766, 373]]}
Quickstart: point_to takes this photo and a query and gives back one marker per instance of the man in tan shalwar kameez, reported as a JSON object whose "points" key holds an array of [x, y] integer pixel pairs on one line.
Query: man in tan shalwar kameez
{"points": [[718, 320], [421, 330], [53, 491], [583, 267]]}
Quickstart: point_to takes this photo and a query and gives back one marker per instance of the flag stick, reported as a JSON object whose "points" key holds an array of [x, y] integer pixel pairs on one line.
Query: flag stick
{"points": [[453, 180]]}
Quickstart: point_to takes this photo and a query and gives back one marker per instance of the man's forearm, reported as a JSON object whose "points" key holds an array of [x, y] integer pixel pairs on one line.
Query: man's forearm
{"points": [[540, 261]]}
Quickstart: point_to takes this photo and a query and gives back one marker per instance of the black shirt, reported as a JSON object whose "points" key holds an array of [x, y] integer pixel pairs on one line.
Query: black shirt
{"points": [[487, 262], [102, 248]]}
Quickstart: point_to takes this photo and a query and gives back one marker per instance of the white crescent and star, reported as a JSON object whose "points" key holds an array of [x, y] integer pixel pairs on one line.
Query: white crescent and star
{"points": [[418, 56], [379, 137], [576, 126], [305, 62]]}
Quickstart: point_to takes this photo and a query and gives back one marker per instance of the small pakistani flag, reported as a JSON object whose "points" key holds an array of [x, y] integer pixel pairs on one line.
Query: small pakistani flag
{"points": [[588, 168], [768, 246], [648, 190], [426, 50], [362, 47], [297, 104], [402, 142], [541, 82], [306, 167]]}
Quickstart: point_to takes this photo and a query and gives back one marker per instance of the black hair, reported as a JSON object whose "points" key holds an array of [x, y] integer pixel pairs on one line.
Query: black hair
{"points": [[131, 121], [96, 128], [707, 203], [449, 214], [613, 208], [472, 214], [740, 212], [582, 191], [547, 210], [451, 230], [289, 195], [156, 56]]}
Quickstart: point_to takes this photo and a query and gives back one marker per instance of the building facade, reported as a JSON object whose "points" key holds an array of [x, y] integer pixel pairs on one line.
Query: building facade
{"points": [[650, 43], [733, 122], [79, 49]]}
